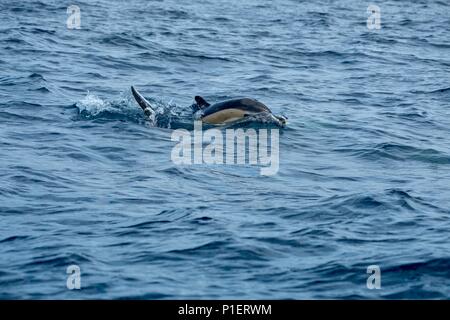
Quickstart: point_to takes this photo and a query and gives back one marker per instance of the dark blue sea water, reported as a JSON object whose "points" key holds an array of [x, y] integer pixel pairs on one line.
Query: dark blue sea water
{"points": [[364, 162]]}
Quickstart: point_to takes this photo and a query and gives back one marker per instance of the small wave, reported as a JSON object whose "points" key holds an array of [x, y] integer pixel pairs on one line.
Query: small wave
{"points": [[440, 45], [363, 201], [212, 246], [146, 296], [41, 89], [38, 30], [439, 90], [124, 40], [33, 80], [400, 152], [36, 76], [16, 41], [194, 55], [443, 90], [146, 224], [428, 267], [13, 238], [60, 260], [22, 104], [175, 13], [411, 286]]}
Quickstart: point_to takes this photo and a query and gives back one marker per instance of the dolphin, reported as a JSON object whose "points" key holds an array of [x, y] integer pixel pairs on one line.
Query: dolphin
{"points": [[218, 113]]}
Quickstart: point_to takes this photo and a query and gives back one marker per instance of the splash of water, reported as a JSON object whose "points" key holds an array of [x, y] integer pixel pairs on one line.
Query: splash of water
{"points": [[166, 115]]}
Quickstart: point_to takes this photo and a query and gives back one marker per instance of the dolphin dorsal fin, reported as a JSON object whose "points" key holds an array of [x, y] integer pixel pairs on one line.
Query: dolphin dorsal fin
{"points": [[201, 102]]}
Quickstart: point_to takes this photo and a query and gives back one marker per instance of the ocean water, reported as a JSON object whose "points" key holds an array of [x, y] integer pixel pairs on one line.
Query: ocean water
{"points": [[364, 170]]}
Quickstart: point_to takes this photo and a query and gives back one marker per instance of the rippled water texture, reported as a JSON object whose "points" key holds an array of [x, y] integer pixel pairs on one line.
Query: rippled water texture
{"points": [[364, 162]]}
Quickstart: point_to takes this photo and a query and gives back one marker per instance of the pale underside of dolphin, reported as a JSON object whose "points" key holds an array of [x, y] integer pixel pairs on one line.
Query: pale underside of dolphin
{"points": [[219, 113]]}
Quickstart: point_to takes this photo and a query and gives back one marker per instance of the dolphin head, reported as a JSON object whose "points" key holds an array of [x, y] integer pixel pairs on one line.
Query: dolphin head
{"points": [[282, 120]]}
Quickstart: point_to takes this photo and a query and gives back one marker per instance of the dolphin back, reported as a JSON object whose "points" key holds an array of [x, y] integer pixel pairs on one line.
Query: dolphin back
{"points": [[246, 105]]}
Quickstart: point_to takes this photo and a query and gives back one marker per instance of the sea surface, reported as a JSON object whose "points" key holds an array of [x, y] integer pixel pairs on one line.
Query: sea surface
{"points": [[87, 180]]}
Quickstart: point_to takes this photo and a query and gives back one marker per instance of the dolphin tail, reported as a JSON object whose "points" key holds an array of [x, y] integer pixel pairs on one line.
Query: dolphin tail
{"points": [[145, 105]]}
